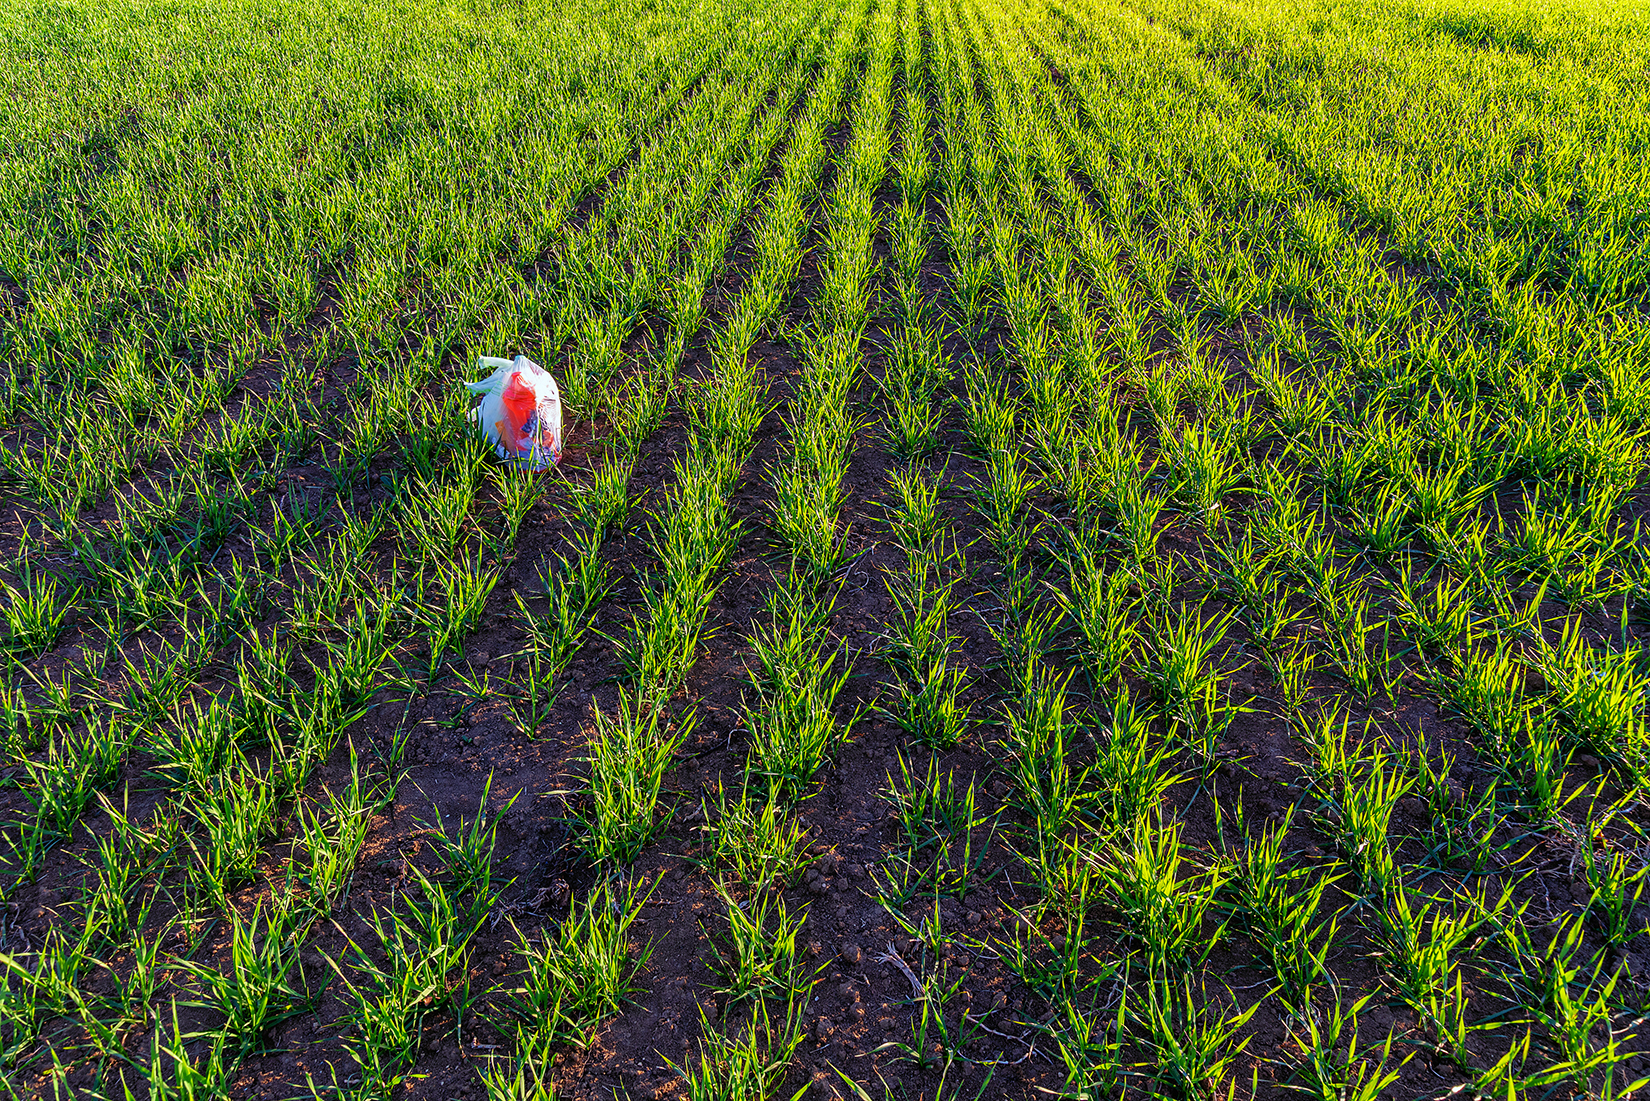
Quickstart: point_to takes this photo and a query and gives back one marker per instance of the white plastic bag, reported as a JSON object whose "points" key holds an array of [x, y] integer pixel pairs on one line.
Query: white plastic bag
{"points": [[520, 411]]}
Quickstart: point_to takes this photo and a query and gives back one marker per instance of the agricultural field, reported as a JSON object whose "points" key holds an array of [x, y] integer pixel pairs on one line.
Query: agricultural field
{"points": [[1098, 551]]}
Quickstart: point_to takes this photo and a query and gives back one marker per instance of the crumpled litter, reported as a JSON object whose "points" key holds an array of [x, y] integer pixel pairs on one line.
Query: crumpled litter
{"points": [[520, 411]]}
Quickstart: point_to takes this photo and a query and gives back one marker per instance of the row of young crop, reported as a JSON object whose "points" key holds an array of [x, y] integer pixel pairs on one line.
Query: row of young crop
{"points": [[791, 719]]}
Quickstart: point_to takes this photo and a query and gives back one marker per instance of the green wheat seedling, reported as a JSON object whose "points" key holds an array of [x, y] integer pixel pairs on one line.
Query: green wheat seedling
{"points": [[914, 517], [262, 986], [196, 749], [1100, 603], [332, 834], [1274, 627], [1544, 538], [927, 702], [1601, 695], [929, 708], [1182, 672], [989, 413], [143, 586], [1001, 502], [1572, 1006], [1588, 1048], [418, 966], [1466, 835], [634, 745], [1534, 764], [1133, 767], [64, 697], [23, 1009], [151, 845], [1040, 767], [1328, 735], [1028, 634], [752, 841], [1334, 1071], [1501, 1080], [1367, 673], [1420, 946], [321, 595], [1137, 512], [1616, 878], [936, 817], [757, 958], [936, 1043], [434, 517], [793, 724], [1299, 401], [1247, 573], [1446, 1013], [1361, 820], [724, 413], [1090, 1044], [464, 584], [1442, 500], [157, 681], [34, 614], [1436, 620], [109, 1022], [171, 1073], [1204, 465], [1284, 521], [579, 974], [523, 1077], [572, 589], [20, 723], [603, 502], [1281, 907], [74, 768], [1193, 1040], [1060, 967], [970, 290], [923, 597], [808, 484], [1382, 523], [1163, 906], [918, 369], [518, 490], [112, 890], [694, 535], [467, 853], [748, 1065], [1292, 673], [233, 819]]}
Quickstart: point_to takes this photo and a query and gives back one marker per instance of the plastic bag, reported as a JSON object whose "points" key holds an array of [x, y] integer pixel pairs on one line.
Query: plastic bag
{"points": [[520, 411]]}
